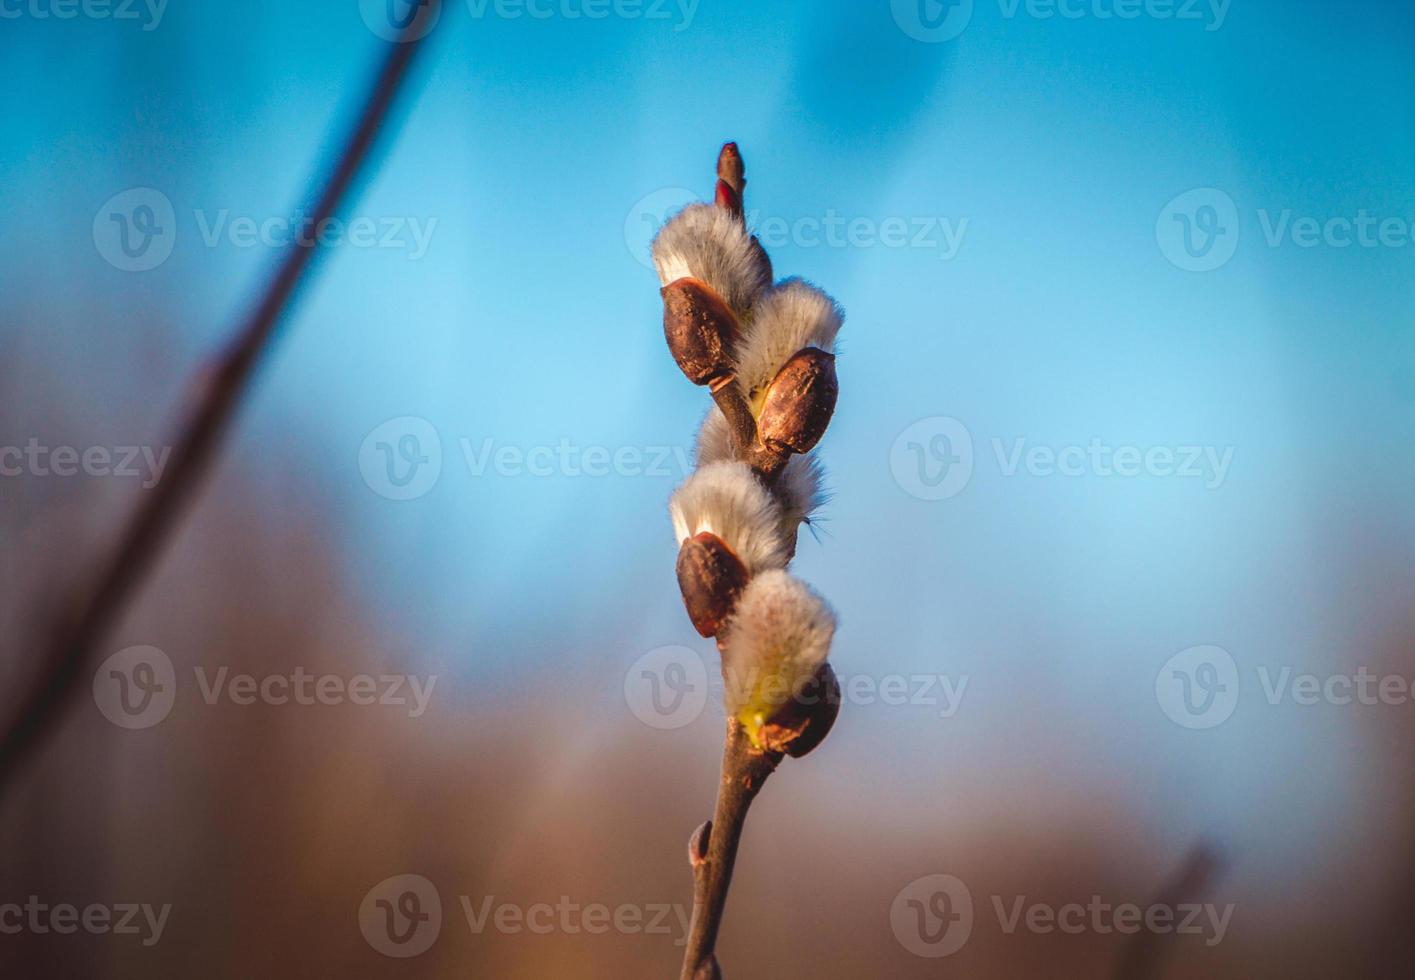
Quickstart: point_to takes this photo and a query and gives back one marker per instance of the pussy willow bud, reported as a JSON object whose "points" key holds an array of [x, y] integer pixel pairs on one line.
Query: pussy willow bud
{"points": [[807, 719], [711, 578], [701, 330], [800, 402], [730, 168]]}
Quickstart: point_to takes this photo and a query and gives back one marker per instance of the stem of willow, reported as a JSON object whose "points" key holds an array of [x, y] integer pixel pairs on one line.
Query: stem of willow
{"points": [[713, 850]]}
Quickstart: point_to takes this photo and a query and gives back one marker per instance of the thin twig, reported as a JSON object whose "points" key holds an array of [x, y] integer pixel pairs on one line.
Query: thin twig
{"points": [[90, 614], [1143, 954], [744, 770]]}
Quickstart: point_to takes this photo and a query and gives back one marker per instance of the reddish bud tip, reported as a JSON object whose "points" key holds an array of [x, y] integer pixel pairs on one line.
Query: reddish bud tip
{"points": [[728, 199], [730, 167]]}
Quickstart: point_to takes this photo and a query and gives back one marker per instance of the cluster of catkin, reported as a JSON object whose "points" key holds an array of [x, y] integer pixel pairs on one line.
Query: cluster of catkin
{"points": [[765, 351]]}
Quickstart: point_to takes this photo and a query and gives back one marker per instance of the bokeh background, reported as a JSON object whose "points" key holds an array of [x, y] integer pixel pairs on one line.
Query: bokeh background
{"points": [[1045, 296]]}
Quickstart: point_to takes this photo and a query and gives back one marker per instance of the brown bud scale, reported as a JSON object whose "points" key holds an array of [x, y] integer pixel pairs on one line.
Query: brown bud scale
{"points": [[711, 578], [800, 402], [700, 329], [803, 722]]}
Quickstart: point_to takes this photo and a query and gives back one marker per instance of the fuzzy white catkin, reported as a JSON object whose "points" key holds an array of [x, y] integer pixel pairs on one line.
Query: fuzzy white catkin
{"points": [[710, 244], [800, 488], [778, 636], [727, 499], [789, 317]]}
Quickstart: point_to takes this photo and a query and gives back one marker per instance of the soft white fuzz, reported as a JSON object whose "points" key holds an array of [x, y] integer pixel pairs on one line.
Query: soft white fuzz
{"points": [[800, 489], [728, 500], [777, 638], [708, 243], [714, 438], [791, 316]]}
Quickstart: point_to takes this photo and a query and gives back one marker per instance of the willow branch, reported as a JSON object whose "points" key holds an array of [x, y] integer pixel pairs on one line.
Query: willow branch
{"points": [[713, 849], [88, 616], [1143, 955]]}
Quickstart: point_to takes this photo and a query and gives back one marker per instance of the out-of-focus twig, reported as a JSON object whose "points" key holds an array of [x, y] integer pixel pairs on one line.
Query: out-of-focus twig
{"points": [[102, 597], [1143, 954]]}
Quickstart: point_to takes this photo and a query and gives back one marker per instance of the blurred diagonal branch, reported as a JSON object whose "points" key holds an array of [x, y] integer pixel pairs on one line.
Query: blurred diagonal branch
{"points": [[100, 600], [1143, 954]]}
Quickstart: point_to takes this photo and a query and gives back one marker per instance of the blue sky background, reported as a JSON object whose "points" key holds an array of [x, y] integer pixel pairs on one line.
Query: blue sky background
{"points": [[539, 145]]}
